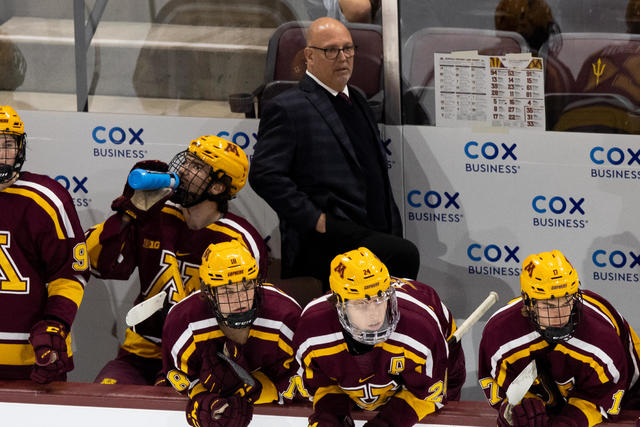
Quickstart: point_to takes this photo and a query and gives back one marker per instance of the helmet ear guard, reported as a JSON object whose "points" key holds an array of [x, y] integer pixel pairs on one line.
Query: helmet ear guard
{"points": [[229, 279], [547, 278], [10, 124], [360, 275]]}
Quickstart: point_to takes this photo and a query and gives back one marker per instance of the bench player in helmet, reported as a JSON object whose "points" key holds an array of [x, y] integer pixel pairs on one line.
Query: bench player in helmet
{"points": [[238, 316], [165, 240], [44, 265], [377, 342], [585, 352]]}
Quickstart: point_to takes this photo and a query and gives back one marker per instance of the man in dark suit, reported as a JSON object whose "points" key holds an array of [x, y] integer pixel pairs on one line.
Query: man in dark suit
{"points": [[320, 164]]}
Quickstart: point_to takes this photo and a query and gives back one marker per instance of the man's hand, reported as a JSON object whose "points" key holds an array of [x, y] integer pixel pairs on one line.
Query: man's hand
{"points": [[48, 338], [321, 225], [139, 204]]}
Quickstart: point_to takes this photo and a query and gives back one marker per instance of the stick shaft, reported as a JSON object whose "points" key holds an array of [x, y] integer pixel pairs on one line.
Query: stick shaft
{"points": [[475, 316]]}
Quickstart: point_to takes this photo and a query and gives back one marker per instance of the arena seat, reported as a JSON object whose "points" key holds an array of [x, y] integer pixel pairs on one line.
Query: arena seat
{"points": [[417, 62], [592, 82], [286, 64]]}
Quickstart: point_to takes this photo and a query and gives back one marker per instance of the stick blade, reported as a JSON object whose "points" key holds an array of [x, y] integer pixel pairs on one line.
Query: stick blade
{"points": [[521, 384], [145, 309]]}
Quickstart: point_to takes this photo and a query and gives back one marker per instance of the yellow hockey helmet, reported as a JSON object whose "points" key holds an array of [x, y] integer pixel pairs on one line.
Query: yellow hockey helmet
{"points": [[548, 275], [224, 156], [358, 274], [10, 124], [228, 279]]}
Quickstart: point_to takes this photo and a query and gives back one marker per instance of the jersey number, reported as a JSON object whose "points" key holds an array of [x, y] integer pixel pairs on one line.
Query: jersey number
{"points": [[11, 281]]}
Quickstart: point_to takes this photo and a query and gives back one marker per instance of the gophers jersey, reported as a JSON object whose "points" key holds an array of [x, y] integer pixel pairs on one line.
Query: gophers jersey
{"points": [[168, 255], [191, 326], [588, 371], [407, 373], [44, 265]]}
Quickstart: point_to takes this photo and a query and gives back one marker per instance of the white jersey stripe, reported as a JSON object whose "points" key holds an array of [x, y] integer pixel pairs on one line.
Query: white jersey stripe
{"points": [[407, 340], [62, 213], [508, 346], [590, 348], [16, 336]]}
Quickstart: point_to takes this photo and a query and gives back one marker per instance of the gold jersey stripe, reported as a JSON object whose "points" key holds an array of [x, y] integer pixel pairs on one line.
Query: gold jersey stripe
{"points": [[588, 409], [137, 344], [69, 289], [43, 204]]}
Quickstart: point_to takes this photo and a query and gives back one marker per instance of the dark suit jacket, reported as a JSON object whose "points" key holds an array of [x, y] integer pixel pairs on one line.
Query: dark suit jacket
{"points": [[304, 164]]}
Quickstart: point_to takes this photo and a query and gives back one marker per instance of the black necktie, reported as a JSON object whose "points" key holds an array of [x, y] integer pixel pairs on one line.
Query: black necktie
{"points": [[345, 97]]}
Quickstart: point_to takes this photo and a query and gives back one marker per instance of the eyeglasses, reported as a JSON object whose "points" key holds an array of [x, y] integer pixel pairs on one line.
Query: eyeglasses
{"points": [[332, 53]]}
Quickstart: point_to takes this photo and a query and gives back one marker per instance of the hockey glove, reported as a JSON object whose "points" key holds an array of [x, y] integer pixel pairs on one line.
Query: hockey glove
{"points": [[139, 204], [530, 413], [218, 376], [48, 338], [209, 409]]}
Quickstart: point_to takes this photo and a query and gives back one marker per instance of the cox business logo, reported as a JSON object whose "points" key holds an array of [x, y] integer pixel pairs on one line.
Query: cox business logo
{"points": [[77, 187], [559, 212], [504, 259], [491, 157], [615, 265], [116, 142], [615, 163], [433, 206]]}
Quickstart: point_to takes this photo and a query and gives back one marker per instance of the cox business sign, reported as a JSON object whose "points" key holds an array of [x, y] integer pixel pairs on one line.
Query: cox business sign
{"points": [[117, 142], [616, 265], [433, 206], [502, 259], [491, 157], [553, 211], [615, 163]]}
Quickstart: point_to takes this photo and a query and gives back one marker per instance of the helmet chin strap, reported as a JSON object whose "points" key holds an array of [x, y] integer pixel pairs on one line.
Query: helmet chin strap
{"points": [[6, 173]]}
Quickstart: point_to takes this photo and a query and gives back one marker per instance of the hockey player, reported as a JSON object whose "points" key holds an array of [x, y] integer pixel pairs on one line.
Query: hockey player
{"points": [[44, 265], [234, 320], [165, 240], [585, 352], [378, 342]]}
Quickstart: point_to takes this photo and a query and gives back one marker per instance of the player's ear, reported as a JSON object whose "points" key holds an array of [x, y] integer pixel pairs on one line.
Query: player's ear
{"points": [[217, 188]]}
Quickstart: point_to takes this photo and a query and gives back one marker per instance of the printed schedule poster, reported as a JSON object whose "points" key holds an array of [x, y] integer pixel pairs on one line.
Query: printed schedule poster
{"points": [[500, 91]]}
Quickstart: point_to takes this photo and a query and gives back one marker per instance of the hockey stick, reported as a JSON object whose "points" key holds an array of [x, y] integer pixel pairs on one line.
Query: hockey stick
{"points": [[474, 317], [145, 309], [239, 370], [519, 387]]}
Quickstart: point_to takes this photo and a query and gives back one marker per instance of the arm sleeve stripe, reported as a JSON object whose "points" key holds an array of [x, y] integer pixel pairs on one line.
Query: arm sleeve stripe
{"points": [[408, 341], [430, 312], [601, 310], [14, 336], [44, 205], [421, 407], [274, 324], [68, 289], [187, 335], [56, 201], [266, 336], [589, 348], [588, 409], [248, 237], [269, 287], [314, 302], [508, 346]]}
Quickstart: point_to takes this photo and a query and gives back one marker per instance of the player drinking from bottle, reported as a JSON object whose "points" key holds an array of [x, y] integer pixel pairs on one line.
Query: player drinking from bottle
{"points": [[43, 264], [377, 342], [237, 316], [586, 354], [163, 234]]}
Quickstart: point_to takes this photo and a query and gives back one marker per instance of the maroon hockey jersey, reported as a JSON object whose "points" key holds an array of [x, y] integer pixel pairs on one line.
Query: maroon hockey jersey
{"points": [[44, 265], [191, 325], [406, 374], [589, 372], [167, 254]]}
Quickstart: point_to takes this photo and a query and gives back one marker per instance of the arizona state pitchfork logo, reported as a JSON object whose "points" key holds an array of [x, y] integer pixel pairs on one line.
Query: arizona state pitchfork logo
{"points": [[598, 70]]}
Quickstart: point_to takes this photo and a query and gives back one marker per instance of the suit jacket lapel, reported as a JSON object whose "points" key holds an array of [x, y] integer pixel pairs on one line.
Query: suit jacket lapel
{"points": [[316, 94]]}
